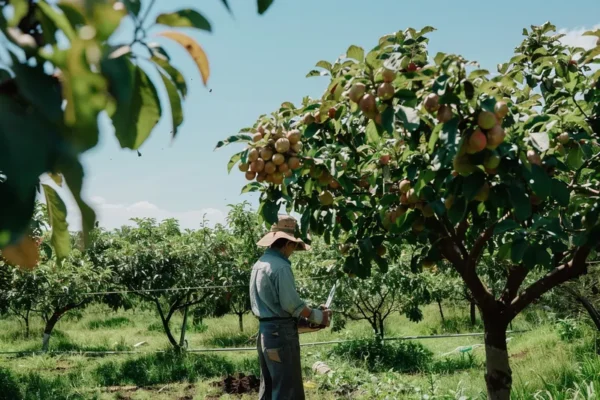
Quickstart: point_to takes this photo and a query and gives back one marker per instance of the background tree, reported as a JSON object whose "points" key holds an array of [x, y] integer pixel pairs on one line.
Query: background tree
{"points": [[448, 159], [163, 266], [65, 52]]}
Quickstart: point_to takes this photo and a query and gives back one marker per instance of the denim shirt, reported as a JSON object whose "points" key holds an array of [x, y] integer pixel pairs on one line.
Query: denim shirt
{"points": [[272, 287]]}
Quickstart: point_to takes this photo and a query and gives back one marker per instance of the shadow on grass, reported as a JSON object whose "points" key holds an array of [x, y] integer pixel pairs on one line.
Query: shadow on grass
{"points": [[162, 368]]}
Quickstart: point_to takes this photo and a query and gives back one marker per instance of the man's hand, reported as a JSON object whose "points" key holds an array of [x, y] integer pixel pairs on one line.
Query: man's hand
{"points": [[327, 313]]}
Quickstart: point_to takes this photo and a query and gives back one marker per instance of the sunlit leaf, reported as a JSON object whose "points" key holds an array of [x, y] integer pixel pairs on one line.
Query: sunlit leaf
{"points": [[57, 214], [174, 101], [194, 50], [187, 18]]}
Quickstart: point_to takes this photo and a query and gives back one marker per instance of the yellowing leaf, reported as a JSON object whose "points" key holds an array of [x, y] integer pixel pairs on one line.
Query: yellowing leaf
{"points": [[193, 49], [24, 254]]}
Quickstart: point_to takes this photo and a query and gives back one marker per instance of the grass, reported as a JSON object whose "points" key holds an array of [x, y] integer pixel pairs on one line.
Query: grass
{"points": [[544, 366]]}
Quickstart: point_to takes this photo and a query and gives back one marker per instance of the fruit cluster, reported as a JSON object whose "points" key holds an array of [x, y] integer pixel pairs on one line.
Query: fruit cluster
{"points": [[367, 102], [273, 156]]}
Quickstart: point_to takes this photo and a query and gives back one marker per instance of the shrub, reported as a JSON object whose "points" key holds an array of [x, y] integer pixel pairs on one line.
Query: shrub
{"points": [[8, 384], [162, 368], [403, 356], [111, 323], [568, 329]]}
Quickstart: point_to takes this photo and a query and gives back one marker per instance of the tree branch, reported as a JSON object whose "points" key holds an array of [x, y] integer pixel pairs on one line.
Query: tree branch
{"points": [[570, 270], [516, 276]]}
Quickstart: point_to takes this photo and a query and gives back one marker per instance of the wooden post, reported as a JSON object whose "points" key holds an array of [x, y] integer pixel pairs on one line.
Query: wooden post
{"points": [[184, 324]]}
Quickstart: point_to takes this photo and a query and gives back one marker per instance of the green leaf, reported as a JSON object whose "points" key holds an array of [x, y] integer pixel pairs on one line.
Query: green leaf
{"points": [[372, 133], [518, 250], [234, 160], [409, 117], [425, 176], [356, 53], [472, 184], [233, 139], [434, 137], [488, 104], [41, 90], [270, 212], [457, 212], [251, 187], [73, 173], [505, 226], [539, 181], [135, 120], [387, 120], [560, 192], [226, 4], [174, 101], [575, 157], [133, 6], [520, 202], [263, 5], [173, 72], [478, 73], [57, 214], [449, 132], [186, 18], [504, 251], [4, 75], [60, 20], [73, 14], [20, 9], [324, 64]]}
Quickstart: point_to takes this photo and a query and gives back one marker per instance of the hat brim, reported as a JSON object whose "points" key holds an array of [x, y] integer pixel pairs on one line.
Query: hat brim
{"points": [[271, 237]]}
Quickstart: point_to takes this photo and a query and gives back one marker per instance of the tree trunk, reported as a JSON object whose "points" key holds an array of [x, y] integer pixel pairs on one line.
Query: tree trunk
{"points": [[241, 321], [473, 313], [498, 376], [381, 331], [165, 324], [27, 324], [589, 307], [441, 311], [50, 324]]}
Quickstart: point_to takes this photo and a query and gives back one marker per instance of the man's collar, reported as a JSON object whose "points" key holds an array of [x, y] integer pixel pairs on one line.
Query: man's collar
{"points": [[279, 254]]}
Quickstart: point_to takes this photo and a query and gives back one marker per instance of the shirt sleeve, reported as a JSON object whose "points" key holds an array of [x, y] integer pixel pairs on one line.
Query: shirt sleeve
{"points": [[288, 296]]}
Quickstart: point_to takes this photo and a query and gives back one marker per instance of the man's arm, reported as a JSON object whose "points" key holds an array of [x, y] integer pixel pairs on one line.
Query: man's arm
{"points": [[290, 300]]}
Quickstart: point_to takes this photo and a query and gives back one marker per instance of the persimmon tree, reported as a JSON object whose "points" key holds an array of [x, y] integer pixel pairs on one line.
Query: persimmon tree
{"points": [[440, 154], [61, 68]]}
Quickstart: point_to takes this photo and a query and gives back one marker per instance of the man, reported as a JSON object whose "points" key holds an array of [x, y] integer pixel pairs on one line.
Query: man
{"points": [[276, 303]]}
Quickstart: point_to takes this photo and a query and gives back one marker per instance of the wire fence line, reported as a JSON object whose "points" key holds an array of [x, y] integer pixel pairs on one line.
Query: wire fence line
{"points": [[209, 287], [241, 349]]}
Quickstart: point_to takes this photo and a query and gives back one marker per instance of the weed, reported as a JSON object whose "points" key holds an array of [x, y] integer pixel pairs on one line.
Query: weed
{"points": [[111, 323]]}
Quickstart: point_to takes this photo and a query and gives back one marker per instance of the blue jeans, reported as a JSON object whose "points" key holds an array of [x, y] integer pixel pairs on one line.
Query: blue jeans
{"points": [[279, 354]]}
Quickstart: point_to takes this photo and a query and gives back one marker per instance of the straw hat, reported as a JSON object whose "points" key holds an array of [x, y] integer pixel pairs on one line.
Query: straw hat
{"points": [[285, 228]]}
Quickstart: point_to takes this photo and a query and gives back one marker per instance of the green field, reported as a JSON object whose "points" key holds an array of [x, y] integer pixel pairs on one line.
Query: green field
{"points": [[545, 366]]}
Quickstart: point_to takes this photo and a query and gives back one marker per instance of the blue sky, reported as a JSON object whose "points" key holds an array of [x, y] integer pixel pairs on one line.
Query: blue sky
{"points": [[257, 62]]}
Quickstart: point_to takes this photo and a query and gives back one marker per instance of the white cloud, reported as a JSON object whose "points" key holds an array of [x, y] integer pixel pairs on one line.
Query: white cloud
{"points": [[574, 37], [115, 215]]}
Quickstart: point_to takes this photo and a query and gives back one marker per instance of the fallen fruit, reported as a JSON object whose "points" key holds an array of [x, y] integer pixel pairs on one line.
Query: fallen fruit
{"points": [[282, 145], [432, 103], [477, 141], [386, 91], [357, 91], [501, 109], [486, 120]]}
